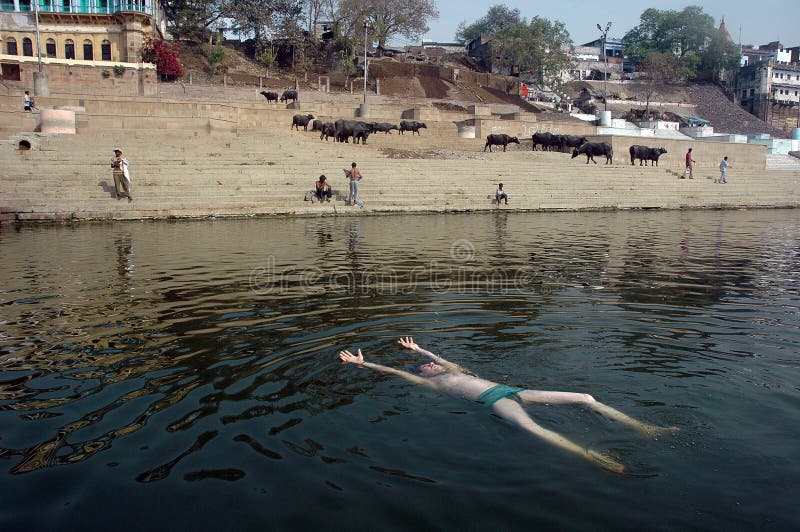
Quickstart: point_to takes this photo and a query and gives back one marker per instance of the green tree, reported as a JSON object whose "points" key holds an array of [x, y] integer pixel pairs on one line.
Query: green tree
{"points": [[540, 47], [497, 18], [385, 19], [720, 58], [684, 34]]}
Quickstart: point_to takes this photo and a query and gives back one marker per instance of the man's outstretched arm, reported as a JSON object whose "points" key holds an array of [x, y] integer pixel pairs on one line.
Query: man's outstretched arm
{"points": [[349, 358], [409, 343]]}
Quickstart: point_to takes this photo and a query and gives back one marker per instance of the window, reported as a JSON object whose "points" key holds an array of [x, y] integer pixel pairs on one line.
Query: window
{"points": [[88, 52], [69, 49], [11, 46], [50, 48], [105, 50], [27, 47]]}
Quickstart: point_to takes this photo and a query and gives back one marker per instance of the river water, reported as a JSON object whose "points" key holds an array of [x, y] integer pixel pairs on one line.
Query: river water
{"points": [[183, 375]]}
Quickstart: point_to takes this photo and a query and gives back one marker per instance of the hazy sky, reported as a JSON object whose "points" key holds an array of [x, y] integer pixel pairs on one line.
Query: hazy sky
{"points": [[762, 21]]}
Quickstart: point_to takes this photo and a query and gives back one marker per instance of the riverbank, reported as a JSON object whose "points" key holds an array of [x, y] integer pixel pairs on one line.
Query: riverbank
{"points": [[195, 160]]}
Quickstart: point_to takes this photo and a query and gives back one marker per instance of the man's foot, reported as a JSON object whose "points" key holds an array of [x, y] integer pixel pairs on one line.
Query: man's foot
{"points": [[130, 199], [605, 462], [651, 431]]}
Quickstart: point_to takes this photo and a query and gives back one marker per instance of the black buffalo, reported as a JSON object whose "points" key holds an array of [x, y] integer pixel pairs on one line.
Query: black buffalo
{"points": [[499, 140], [316, 125], [361, 132], [270, 96], [384, 127], [545, 140], [645, 154], [289, 95], [328, 130], [344, 129], [411, 125], [301, 120], [570, 141], [590, 149]]}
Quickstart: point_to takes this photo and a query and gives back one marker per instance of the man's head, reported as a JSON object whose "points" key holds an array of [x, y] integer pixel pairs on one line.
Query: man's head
{"points": [[726, 157], [28, 93], [431, 369], [500, 186], [353, 165], [322, 178], [117, 151]]}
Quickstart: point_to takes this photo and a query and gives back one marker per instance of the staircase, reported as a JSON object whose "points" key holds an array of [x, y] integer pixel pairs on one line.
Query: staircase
{"points": [[269, 169]]}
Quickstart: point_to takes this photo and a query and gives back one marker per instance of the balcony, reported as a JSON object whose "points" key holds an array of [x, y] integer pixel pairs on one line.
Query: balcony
{"points": [[78, 7]]}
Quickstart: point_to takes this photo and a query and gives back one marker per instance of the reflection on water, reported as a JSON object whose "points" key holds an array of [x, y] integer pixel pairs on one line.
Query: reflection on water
{"points": [[203, 354]]}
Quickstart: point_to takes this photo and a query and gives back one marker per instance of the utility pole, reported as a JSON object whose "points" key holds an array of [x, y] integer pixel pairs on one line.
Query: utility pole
{"points": [[605, 58], [365, 61], [38, 35]]}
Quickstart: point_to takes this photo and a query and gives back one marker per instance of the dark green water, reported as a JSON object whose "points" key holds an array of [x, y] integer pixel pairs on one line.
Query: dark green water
{"points": [[183, 376]]}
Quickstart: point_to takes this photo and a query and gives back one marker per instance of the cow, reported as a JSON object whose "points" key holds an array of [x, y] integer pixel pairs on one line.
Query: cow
{"points": [[344, 129], [328, 130], [289, 95], [384, 127], [645, 154], [301, 120], [590, 149], [411, 125], [316, 125], [270, 96], [499, 140], [544, 139]]}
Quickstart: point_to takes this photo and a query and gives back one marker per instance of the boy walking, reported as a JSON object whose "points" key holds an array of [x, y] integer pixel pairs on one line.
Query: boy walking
{"points": [[689, 165], [723, 169]]}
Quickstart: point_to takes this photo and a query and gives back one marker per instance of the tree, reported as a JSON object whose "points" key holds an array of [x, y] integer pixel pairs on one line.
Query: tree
{"points": [[165, 56], [721, 57], [497, 18], [540, 47], [385, 19], [659, 67], [681, 33]]}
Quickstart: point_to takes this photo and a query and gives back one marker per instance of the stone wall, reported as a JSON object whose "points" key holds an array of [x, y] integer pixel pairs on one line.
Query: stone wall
{"points": [[88, 77]]}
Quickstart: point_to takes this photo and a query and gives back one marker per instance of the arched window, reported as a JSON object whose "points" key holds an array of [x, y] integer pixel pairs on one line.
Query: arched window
{"points": [[50, 48], [88, 51], [69, 49], [11, 46], [105, 50], [27, 47]]}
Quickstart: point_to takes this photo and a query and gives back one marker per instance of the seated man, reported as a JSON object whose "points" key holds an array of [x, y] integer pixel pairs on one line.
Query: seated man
{"points": [[506, 401], [501, 194], [323, 189]]}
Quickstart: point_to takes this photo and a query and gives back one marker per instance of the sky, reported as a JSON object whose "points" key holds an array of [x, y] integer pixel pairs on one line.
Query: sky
{"points": [[761, 21]]}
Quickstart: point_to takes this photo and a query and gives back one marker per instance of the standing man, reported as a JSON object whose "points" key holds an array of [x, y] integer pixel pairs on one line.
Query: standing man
{"points": [[122, 177], [723, 169], [354, 175], [689, 165]]}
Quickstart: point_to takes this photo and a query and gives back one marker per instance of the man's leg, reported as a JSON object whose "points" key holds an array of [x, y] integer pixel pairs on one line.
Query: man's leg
{"points": [[512, 411], [537, 396]]}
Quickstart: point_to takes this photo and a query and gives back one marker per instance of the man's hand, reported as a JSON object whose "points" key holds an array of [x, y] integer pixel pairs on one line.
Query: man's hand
{"points": [[408, 343], [349, 358]]}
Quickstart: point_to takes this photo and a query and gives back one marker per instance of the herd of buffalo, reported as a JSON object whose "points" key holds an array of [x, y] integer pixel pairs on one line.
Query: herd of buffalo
{"points": [[342, 130]]}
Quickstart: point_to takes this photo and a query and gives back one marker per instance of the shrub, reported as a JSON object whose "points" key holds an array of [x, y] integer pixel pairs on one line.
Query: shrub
{"points": [[119, 70], [165, 57], [105, 73]]}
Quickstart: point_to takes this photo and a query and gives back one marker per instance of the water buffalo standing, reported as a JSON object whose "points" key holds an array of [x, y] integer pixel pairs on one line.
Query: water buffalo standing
{"points": [[411, 125], [590, 149], [544, 139], [316, 125], [328, 130], [289, 95], [361, 133], [566, 142], [499, 140], [384, 127], [301, 120], [645, 154], [270, 96]]}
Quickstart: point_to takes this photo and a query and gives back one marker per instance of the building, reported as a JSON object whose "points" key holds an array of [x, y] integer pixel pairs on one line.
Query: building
{"points": [[773, 51], [446, 47], [770, 91], [79, 39]]}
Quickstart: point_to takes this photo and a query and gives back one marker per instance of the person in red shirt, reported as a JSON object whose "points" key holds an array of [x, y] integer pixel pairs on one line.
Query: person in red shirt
{"points": [[689, 165]]}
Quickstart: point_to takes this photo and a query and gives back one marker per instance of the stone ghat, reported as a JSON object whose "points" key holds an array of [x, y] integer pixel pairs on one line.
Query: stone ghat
{"points": [[192, 170]]}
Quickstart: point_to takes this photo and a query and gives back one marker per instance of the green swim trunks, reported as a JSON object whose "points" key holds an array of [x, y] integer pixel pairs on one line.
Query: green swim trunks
{"points": [[495, 393]]}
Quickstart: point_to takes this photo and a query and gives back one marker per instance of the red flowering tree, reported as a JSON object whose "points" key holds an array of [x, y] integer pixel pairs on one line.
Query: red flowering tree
{"points": [[165, 57]]}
